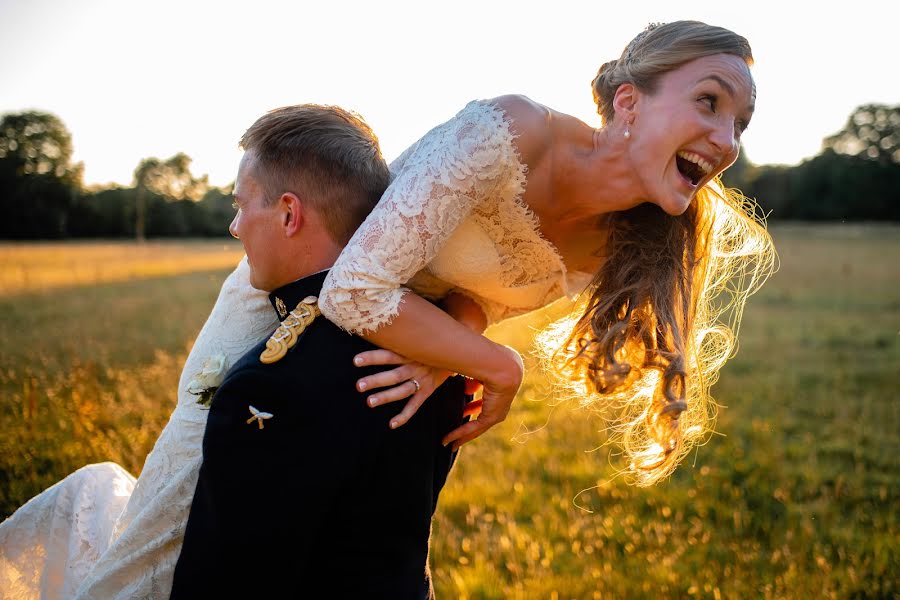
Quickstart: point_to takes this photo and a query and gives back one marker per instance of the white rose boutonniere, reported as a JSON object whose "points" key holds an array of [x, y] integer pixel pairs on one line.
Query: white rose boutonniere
{"points": [[207, 380]]}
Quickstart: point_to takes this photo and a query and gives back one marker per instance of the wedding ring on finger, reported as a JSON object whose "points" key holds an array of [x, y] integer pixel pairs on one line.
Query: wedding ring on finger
{"points": [[416, 383]]}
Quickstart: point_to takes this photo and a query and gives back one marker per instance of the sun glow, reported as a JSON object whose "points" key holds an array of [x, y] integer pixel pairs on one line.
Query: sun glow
{"points": [[194, 83]]}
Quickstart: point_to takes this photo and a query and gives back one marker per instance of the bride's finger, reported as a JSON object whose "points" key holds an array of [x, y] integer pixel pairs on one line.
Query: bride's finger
{"points": [[399, 392], [379, 357], [473, 408], [410, 409], [386, 378], [473, 386], [466, 433]]}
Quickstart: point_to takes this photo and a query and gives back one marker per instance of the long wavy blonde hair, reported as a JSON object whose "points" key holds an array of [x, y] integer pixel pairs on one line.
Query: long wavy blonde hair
{"points": [[661, 315]]}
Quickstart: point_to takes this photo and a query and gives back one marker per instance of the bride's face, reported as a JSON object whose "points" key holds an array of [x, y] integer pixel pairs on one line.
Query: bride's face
{"points": [[257, 225], [688, 131]]}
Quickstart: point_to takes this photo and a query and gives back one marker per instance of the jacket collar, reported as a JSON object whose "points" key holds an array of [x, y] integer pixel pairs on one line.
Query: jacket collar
{"points": [[287, 297]]}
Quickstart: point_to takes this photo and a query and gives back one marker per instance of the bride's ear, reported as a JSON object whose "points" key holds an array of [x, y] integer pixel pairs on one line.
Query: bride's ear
{"points": [[291, 214], [625, 100]]}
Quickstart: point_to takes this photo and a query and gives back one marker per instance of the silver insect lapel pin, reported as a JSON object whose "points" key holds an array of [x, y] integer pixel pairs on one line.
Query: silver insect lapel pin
{"points": [[258, 416]]}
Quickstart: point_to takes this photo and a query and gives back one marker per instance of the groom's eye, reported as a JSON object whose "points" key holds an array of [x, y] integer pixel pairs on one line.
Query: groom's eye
{"points": [[235, 206]]}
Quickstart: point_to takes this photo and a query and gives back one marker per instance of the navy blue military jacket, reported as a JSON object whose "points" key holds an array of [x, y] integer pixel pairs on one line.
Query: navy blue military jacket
{"points": [[325, 498]]}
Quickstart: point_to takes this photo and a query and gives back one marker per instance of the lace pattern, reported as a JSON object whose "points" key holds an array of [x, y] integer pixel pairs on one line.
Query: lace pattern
{"points": [[141, 558], [101, 534], [452, 219], [50, 544]]}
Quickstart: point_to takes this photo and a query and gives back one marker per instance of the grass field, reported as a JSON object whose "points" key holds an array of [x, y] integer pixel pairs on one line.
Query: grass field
{"points": [[798, 496]]}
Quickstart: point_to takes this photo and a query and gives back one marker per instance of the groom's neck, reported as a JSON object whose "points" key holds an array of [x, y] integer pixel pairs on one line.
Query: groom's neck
{"points": [[294, 272]]}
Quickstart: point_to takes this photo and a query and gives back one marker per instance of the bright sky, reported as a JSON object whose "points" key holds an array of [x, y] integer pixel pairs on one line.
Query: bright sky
{"points": [[133, 79]]}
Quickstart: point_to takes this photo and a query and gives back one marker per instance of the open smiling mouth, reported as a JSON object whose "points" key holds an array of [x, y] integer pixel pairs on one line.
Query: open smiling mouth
{"points": [[692, 166]]}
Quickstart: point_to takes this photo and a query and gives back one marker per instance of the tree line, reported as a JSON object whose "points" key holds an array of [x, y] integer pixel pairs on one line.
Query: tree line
{"points": [[855, 177], [42, 194]]}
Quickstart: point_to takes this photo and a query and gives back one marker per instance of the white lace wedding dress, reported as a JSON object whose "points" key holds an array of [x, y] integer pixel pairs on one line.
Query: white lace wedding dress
{"points": [[452, 219], [98, 534]]}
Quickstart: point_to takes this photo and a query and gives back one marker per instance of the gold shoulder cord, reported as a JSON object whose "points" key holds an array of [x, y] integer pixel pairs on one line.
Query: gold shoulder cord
{"points": [[285, 337]]}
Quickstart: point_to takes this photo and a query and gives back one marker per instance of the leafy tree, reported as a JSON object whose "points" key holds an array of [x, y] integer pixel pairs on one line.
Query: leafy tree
{"points": [[770, 187], [38, 143], [871, 132], [170, 179], [218, 204], [855, 177], [830, 186], [104, 213], [38, 181]]}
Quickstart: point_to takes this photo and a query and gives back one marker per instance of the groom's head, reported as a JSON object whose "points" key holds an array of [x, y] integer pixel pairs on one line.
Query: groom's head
{"points": [[309, 176]]}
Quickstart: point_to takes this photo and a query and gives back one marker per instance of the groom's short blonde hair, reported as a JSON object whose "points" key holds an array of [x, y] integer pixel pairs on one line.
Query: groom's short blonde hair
{"points": [[326, 155]]}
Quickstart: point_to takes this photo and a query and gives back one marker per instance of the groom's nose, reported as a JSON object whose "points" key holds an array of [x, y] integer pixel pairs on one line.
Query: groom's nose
{"points": [[232, 229]]}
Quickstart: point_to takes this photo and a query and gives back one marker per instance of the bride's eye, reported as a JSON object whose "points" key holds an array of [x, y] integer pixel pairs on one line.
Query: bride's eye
{"points": [[710, 100], [235, 206]]}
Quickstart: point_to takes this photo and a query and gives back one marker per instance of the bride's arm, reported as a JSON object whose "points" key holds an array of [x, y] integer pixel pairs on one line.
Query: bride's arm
{"points": [[454, 169], [425, 333], [397, 383]]}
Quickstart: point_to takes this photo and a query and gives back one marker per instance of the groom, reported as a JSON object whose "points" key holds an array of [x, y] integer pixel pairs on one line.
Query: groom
{"points": [[303, 487]]}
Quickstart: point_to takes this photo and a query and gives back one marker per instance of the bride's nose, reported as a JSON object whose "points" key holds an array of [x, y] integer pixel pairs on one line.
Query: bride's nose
{"points": [[724, 138], [232, 229]]}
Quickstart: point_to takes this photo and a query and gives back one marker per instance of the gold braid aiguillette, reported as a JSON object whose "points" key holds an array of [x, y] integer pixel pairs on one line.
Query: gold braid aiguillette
{"points": [[285, 337]]}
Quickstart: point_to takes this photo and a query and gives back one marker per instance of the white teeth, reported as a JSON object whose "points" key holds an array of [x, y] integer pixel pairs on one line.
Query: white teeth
{"points": [[697, 160]]}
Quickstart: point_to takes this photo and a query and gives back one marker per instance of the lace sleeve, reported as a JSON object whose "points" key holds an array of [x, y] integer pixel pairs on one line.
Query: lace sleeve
{"points": [[449, 172]]}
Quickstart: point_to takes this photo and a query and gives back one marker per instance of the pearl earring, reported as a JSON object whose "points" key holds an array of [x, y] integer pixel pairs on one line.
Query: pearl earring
{"points": [[627, 133]]}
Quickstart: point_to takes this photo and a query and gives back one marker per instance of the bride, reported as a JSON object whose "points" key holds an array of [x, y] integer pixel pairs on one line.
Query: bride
{"points": [[509, 206]]}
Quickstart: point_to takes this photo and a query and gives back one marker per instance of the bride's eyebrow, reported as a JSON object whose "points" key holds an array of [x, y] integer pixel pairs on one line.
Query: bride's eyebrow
{"points": [[729, 89]]}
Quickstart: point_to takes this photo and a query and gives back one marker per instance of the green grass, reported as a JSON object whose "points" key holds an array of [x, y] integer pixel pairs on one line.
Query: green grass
{"points": [[796, 497], [90, 374]]}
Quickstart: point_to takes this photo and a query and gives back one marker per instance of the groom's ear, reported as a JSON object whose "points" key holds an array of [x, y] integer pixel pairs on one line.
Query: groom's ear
{"points": [[292, 214]]}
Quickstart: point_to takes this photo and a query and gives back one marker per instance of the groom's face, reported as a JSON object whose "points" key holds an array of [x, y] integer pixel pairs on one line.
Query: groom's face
{"points": [[257, 225]]}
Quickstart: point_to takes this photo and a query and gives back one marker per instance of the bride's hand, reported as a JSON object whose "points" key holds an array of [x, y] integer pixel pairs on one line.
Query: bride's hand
{"points": [[399, 383], [496, 398]]}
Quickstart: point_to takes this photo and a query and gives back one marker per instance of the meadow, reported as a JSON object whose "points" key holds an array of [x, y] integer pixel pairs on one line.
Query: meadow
{"points": [[796, 494]]}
